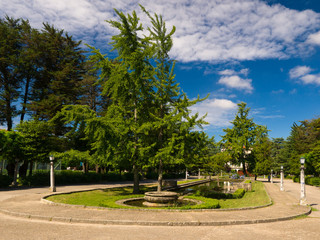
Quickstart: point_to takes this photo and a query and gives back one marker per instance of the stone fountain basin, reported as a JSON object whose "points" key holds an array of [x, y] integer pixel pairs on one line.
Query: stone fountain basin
{"points": [[161, 197]]}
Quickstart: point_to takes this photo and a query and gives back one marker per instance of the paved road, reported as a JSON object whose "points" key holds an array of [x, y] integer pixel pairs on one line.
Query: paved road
{"points": [[305, 228]]}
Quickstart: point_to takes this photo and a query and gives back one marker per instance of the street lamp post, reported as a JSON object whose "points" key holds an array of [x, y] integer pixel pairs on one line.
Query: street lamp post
{"points": [[281, 177], [303, 199], [52, 185]]}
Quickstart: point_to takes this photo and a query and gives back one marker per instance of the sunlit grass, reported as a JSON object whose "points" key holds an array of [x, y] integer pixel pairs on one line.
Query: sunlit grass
{"points": [[108, 197], [257, 197]]}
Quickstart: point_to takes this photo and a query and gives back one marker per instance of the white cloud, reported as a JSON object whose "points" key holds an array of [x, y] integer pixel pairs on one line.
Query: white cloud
{"points": [[311, 79], [237, 83], [314, 38], [219, 111], [299, 71], [228, 72], [303, 74], [217, 30], [231, 79]]}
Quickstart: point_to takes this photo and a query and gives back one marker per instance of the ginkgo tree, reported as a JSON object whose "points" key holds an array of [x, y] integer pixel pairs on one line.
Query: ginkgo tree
{"points": [[148, 112]]}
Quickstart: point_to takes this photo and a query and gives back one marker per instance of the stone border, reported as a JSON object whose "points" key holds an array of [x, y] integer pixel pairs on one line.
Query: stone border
{"points": [[146, 223], [150, 223]]}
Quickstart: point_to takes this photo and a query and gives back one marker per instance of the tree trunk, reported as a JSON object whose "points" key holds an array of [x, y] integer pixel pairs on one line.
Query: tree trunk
{"points": [[15, 175], [10, 169], [98, 169], [23, 169], [30, 168], [8, 115], [25, 99], [244, 167], [160, 176], [136, 189]]}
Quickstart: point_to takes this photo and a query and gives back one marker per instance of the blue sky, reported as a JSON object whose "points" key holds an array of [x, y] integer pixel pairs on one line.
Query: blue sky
{"points": [[265, 53]]}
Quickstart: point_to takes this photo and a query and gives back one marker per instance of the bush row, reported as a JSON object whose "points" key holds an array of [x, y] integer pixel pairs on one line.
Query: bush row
{"points": [[64, 177], [42, 178], [239, 193], [314, 181]]}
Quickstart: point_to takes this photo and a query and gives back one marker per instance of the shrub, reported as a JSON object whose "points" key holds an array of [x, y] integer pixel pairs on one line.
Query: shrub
{"points": [[5, 181], [296, 179], [239, 193], [315, 181]]}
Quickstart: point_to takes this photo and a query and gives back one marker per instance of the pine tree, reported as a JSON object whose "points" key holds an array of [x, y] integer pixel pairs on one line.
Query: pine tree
{"points": [[240, 139], [10, 72]]}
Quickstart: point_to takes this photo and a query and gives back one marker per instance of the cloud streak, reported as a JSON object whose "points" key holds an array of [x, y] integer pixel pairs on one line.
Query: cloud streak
{"points": [[206, 30]]}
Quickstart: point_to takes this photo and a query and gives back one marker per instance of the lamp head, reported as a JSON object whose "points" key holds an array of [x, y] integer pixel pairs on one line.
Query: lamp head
{"points": [[51, 157], [281, 167], [302, 160]]}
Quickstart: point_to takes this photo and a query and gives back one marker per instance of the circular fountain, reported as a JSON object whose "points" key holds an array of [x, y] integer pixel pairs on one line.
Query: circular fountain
{"points": [[160, 199]]}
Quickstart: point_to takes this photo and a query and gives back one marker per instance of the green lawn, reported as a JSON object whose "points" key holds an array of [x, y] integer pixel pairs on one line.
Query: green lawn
{"points": [[108, 197], [257, 197]]}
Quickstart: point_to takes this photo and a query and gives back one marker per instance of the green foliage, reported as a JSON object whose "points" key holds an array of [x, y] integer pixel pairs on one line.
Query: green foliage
{"points": [[262, 157], [304, 141], [314, 181], [11, 76], [39, 68], [13, 148], [37, 138], [239, 193], [240, 140], [65, 177]]}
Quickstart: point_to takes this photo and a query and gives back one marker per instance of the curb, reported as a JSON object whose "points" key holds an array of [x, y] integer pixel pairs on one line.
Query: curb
{"points": [[150, 223]]}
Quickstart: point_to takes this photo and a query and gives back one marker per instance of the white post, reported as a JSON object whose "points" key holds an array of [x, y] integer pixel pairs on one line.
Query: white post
{"points": [[281, 177], [186, 173], [271, 176], [303, 198], [52, 185], [228, 186], [199, 173]]}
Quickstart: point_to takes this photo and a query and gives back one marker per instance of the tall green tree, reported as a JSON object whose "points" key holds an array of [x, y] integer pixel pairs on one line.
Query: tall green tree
{"points": [[10, 72], [39, 142], [240, 139], [129, 85], [13, 152], [262, 161], [59, 73], [170, 120]]}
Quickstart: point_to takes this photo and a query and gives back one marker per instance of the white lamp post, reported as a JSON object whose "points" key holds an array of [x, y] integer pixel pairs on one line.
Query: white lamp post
{"points": [[303, 199], [281, 177], [52, 185]]}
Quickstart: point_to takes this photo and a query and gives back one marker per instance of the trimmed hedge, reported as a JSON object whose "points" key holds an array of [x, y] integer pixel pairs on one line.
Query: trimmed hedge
{"points": [[239, 193], [5, 181], [314, 181], [63, 177]]}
